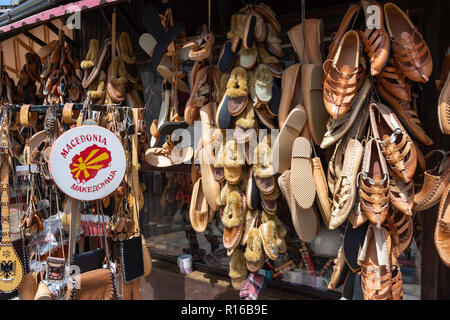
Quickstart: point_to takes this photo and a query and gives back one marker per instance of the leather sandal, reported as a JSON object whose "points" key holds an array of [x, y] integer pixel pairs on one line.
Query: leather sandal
{"points": [[442, 231], [373, 184], [401, 228], [401, 194], [408, 46], [395, 82], [396, 144], [202, 47]]}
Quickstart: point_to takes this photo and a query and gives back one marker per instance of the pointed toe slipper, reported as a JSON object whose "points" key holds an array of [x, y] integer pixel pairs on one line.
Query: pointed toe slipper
{"points": [[254, 252], [263, 169], [302, 180], [238, 270], [198, 210], [234, 161], [263, 83], [248, 57], [271, 241], [233, 219], [237, 91]]}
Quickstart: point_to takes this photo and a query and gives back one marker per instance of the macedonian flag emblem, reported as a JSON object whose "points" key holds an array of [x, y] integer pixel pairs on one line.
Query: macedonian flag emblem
{"points": [[86, 165]]}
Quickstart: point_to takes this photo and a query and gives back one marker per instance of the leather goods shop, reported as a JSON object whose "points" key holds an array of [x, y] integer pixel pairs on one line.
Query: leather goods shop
{"points": [[216, 149]]}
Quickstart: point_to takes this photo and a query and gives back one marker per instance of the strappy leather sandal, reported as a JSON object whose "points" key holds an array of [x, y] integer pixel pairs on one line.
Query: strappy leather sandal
{"points": [[401, 194], [401, 228], [376, 40], [345, 76], [373, 184], [408, 46], [394, 81], [395, 143]]}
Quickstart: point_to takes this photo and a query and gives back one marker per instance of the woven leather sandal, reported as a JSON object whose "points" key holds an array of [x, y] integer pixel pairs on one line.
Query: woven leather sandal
{"points": [[408, 46], [394, 81], [401, 194], [401, 229], [395, 143], [373, 184], [442, 231], [397, 283], [344, 76]]}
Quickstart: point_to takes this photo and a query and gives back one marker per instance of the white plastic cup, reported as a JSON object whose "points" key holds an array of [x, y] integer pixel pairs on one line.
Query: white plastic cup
{"points": [[185, 263]]}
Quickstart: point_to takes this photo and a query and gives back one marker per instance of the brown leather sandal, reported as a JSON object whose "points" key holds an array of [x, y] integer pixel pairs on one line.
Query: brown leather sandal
{"points": [[202, 47], [394, 81], [401, 228]]}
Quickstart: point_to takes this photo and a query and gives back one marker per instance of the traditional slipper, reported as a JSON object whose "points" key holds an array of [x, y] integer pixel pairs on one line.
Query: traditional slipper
{"points": [[223, 116], [235, 33], [269, 206], [246, 126], [401, 195], [261, 29], [291, 89], [355, 119], [211, 186], [234, 160], [237, 91], [441, 232], [269, 15], [202, 47], [233, 219], [340, 270], [253, 196], [91, 69], [254, 254], [272, 62], [226, 58], [248, 57], [97, 90], [305, 222], [219, 166], [270, 239], [323, 199], [238, 270], [168, 156], [198, 210], [250, 222], [273, 42], [89, 62], [401, 228], [302, 179], [263, 83], [248, 31], [313, 101], [356, 216], [165, 69], [282, 148], [163, 114], [126, 52], [117, 80], [262, 167]]}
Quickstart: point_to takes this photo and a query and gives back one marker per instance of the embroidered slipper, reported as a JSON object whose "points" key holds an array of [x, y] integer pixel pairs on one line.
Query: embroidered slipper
{"points": [[262, 167], [165, 69], [237, 91], [233, 217], [269, 202], [211, 186], [253, 196], [305, 222], [226, 57], [264, 84], [126, 52], [313, 101], [250, 222], [302, 180], [254, 254], [292, 94], [234, 160], [267, 119], [198, 210], [270, 239], [238, 270], [117, 80], [282, 148]]}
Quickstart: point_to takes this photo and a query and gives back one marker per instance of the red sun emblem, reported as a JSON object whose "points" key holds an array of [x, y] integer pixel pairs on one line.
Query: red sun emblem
{"points": [[89, 162]]}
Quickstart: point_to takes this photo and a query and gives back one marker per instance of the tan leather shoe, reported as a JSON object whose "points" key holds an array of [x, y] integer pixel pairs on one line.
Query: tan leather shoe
{"points": [[408, 46], [211, 186], [373, 184], [345, 187], [396, 144], [401, 228], [323, 198], [198, 210], [444, 108], [407, 115], [347, 21], [296, 36], [344, 78], [442, 232], [291, 92], [395, 82], [434, 183], [376, 40]]}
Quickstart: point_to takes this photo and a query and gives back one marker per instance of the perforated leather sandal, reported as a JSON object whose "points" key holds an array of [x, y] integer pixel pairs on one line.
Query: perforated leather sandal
{"points": [[395, 143], [373, 184], [408, 46], [344, 77], [376, 40], [401, 229]]}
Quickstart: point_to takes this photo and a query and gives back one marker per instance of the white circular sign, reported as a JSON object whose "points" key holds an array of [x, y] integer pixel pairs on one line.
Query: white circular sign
{"points": [[87, 163]]}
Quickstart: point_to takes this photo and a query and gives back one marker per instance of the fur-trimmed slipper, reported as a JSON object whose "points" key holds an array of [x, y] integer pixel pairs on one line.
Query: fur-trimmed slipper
{"points": [[269, 202], [234, 160], [248, 57], [238, 270], [126, 52], [226, 57], [272, 62], [233, 219], [270, 239], [263, 83], [235, 33], [219, 165], [250, 222], [269, 15], [248, 31], [246, 126], [281, 230], [117, 79], [91, 69], [262, 167], [254, 254], [237, 91], [97, 89], [266, 118], [91, 57]]}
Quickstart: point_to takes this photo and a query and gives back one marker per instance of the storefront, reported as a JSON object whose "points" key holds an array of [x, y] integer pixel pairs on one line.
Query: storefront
{"points": [[292, 212]]}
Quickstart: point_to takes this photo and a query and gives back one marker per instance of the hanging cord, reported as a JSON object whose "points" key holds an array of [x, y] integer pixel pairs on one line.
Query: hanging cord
{"points": [[209, 14]]}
